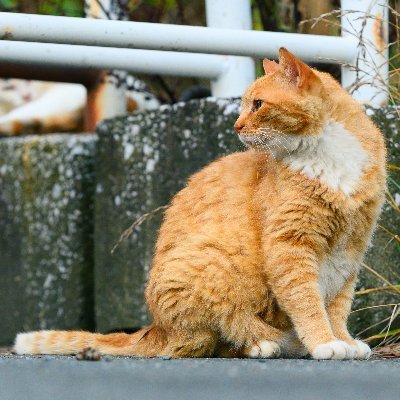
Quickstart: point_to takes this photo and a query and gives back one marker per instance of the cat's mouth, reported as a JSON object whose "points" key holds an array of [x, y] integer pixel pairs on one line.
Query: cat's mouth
{"points": [[254, 140], [278, 146]]}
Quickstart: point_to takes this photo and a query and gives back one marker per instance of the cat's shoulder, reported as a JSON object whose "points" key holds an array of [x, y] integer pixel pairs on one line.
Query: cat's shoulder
{"points": [[238, 161], [239, 165]]}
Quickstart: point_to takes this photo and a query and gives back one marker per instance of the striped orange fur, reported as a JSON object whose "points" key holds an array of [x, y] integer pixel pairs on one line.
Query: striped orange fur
{"points": [[258, 255]]}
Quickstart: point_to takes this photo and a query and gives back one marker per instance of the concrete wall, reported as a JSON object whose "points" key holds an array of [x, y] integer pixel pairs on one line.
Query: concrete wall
{"points": [[384, 255], [55, 263], [142, 160], [46, 233]]}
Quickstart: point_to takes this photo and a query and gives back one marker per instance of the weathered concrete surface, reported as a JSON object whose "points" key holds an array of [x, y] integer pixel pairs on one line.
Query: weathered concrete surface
{"points": [[208, 379], [46, 244], [46, 215], [384, 255], [144, 159]]}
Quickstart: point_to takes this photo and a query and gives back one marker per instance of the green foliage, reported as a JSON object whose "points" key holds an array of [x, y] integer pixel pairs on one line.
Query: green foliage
{"points": [[156, 4], [71, 8], [8, 5]]}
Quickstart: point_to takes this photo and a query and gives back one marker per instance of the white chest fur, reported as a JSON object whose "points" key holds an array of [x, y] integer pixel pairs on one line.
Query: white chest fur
{"points": [[336, 269], [335, 157]]}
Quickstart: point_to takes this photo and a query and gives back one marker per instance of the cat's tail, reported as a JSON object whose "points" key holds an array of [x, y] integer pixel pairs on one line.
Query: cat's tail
{"points": [[147, 342]]}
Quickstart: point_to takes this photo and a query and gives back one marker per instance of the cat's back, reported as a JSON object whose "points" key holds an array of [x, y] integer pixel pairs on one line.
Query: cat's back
{"points": [[218, 201], [234, 173]]}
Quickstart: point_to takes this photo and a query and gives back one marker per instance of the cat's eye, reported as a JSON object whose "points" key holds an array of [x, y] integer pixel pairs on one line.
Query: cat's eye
{"points": [[257, 105]]}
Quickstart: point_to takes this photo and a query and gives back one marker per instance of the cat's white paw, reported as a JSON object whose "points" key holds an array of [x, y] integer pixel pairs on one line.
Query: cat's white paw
{"points": [[265, 349], [363, 351], [334, 350]]}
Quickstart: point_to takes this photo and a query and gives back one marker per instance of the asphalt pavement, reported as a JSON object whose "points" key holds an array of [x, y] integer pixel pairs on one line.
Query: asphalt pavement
{"points": [[65, 378]]}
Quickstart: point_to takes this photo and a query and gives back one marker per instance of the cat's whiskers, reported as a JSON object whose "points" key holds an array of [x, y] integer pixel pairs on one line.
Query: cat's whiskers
{"points": [[264, 144], [260, 143], [279, 139], [280, 135], [277, 136]]}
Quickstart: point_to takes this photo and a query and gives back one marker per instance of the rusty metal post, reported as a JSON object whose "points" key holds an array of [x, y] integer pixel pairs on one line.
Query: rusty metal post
{"points": [[105, 99]]}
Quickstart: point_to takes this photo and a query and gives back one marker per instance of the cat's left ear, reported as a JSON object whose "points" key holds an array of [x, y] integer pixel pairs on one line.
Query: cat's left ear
{"points": [[270, 66], [296, 71]]}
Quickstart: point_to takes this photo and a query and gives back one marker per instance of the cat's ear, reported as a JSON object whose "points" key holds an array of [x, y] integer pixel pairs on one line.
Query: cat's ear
{"points": [[270, 66], [296, 71]]}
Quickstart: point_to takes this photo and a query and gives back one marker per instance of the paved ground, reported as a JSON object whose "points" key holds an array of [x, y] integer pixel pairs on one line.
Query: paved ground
{"points": [[62, 378]]}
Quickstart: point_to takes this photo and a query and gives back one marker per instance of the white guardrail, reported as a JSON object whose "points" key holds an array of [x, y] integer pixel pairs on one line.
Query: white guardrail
{"points": [[219, 52]]}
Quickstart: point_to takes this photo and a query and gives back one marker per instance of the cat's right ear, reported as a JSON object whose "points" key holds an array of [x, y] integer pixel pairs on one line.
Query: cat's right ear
{"points": [[270, 66], [296, 71]]}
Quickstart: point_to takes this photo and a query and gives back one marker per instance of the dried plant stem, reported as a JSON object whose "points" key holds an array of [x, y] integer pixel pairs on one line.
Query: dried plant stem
{"points": [[392, 318], [382, 278], [370, 74], [392, 202], [393, 167], [377, 306], [393, 235], [377, 289], [395, 332], [128, 232], [382, 321]]}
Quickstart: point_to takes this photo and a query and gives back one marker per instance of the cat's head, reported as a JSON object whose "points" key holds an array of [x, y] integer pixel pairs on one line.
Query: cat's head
{"points": [[282, 106]]}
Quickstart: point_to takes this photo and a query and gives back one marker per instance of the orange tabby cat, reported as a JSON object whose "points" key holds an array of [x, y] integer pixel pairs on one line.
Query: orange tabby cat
{"points": [[258, 255]]}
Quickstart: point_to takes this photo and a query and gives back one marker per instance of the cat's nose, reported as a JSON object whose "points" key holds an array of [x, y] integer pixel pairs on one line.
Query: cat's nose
{"points": [[238, 127]]}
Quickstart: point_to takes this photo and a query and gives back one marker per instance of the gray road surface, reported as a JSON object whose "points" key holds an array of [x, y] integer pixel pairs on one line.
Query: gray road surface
{"points": [[64, 378]]}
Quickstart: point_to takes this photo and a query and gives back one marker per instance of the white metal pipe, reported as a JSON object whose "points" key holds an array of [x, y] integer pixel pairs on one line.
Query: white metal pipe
{"points": [[369, 68], [240, 70], [236, 15], [145, 61], [127, 34]]}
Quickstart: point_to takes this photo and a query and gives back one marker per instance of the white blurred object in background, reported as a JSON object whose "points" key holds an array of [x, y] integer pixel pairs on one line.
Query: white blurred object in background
{"points": [[40, 107]]}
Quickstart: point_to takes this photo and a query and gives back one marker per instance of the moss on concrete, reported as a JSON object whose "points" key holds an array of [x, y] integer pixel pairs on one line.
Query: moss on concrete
{"points": [[47, 188], [384, 255], [145, 158], [46, 244], [142, 161]]}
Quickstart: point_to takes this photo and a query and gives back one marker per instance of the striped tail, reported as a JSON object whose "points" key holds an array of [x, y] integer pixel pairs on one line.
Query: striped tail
{"points": [[147, 342]]}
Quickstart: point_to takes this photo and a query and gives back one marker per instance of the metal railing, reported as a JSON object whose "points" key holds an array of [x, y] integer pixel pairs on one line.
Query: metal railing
{"points": [[67, 42]]}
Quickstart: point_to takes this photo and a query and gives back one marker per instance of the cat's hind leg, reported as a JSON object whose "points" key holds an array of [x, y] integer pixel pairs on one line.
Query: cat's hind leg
{"points": [[204, 295], [263, 349], [255, 337], [199, 343]]}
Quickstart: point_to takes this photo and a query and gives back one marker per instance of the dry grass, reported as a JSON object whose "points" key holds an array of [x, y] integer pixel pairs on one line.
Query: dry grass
{"points": [[389, 351], [368, 72], [388, 337], [387, 341], [5, 351], [143, 218]]}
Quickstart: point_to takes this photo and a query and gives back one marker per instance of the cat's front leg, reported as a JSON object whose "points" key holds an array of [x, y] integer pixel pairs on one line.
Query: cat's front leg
{"points": [[292, 270], [338, 313]]}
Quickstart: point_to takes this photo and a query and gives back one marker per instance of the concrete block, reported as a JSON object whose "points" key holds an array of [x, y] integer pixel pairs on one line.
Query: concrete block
{"points": [[46, 233], [143, 159], [384, 255]]}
